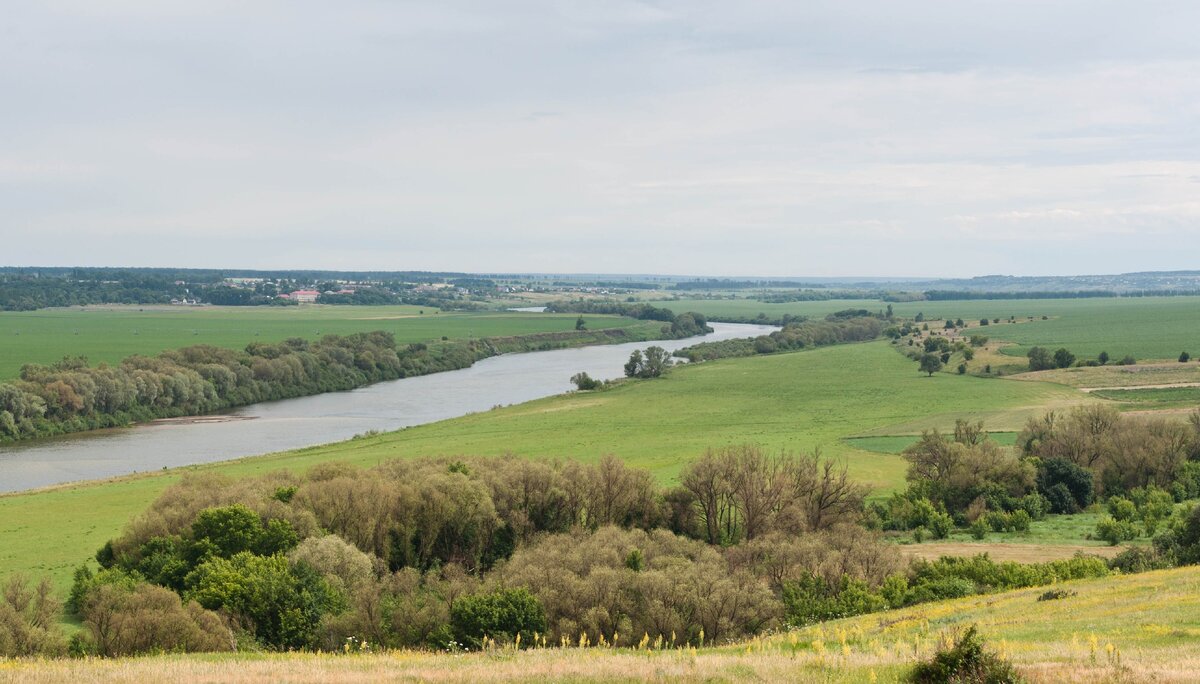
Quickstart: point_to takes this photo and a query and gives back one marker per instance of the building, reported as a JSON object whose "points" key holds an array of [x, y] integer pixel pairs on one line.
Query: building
{"points": [[305, 296]]}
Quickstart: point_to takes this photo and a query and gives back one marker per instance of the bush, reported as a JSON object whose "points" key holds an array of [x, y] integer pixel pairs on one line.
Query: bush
{"points": [[980, 528], [1139, 559], [29, 620], [939, 590], [123, 621], [1067, 487], [281, 605], [940, 525], [1115, 531], [584, 382], [1056, 595], [968, 662], [501, 615]]}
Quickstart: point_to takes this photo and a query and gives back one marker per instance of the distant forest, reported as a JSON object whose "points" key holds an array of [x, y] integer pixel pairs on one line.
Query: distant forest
{"points": [[28, 289]]}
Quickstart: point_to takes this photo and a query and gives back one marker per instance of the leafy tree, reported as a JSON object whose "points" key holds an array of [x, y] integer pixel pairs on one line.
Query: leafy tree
{"points": [[282, 604], [580, 324], [583, 381], [1184, 357], [1040, 359], [1063, 358], [930, 363], [649, 364], [501, 614], [1066, 485], [1102, 358]]}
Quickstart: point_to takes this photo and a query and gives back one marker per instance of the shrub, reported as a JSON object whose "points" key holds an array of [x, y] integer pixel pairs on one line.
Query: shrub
{"points": [[280, 604], [1056, 594], [939, 590], [502, 614], [29, 620], [968, 662], [980, 528], [1115, 531], [123, 621], [1066, 486], [1139, 559], [1121, 509], [1127, 360], [584, 382], [1184, 357], [940, 525]]}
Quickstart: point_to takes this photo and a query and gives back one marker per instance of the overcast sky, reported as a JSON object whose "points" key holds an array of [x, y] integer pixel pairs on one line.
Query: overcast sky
{"points": [[694, 137]]}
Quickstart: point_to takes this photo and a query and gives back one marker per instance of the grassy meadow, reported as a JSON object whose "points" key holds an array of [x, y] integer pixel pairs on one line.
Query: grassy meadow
{"points": [[1146, 327], [110, 333], [799, 401], [1131, 628]]}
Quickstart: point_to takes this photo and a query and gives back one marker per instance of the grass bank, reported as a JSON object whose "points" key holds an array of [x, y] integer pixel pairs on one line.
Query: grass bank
{"points": [[798, 401]]}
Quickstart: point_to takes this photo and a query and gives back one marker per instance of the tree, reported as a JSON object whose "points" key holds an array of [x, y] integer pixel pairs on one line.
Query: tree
{"points": [[889, 311], [1103, 358], [1040, 359], [583, 381], [649, 364], [502, 614], [580, 324], [930, 363], [1063, 358], [1184, 357]]}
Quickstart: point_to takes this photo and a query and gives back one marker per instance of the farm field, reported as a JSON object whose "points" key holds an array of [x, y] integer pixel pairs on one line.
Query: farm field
{"points": [[1146, 327], [798, 401], [1131, 628], [109, 334]]}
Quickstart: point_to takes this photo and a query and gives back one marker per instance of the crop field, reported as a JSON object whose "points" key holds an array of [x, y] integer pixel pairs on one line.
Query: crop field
{"points": [[1145, 327], [108, 334], [799, 401], [1131, 628]]}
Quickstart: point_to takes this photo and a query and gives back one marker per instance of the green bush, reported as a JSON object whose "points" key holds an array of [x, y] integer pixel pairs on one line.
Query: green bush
{"points": [[281, 604], [1116, 531], [980, 528], [967, 662], [940, 525], [501, 615]]}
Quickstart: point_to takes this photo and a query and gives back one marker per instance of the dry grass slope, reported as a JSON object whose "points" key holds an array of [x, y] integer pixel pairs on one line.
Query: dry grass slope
{"points": [[1125, 629]]}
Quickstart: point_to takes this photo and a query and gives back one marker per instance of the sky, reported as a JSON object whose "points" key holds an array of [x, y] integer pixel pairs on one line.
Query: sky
{"points": [[803, 138]]}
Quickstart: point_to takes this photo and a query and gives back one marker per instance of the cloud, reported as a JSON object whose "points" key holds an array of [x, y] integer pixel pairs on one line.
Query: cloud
{"points": [[822, 138]]}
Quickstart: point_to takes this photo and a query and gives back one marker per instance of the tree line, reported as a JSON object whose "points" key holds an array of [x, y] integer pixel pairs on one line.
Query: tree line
{"points": [[834, 329], [72, 396], [687, 324], [452, 554]]}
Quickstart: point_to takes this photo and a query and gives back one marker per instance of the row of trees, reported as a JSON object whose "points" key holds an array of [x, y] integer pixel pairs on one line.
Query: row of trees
{"points": [[679, 326], [71, 395], [794, 336], [445, 553]]}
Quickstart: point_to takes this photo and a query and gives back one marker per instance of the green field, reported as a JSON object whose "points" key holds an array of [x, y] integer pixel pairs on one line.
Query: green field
{"points": [[1155, 397], [1146, 327], [797, 401], [108, 334]]}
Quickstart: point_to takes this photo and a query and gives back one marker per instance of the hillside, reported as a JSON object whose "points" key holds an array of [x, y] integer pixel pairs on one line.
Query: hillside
{"points": [[1130, 628]]}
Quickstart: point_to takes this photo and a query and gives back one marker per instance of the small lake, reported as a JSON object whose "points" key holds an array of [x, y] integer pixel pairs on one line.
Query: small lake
{"points": [[294, 423]]}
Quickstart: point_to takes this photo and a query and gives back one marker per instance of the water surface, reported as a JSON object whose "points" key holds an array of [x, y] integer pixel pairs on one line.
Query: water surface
{"points": [[323, 418]]}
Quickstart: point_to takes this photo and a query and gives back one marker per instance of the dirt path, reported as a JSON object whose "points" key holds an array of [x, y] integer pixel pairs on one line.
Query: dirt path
{"points": [[1022, 553], [1165, 385]]}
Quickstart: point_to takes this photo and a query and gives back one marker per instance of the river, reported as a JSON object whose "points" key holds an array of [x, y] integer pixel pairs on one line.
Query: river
{"points": [[319, 419]]}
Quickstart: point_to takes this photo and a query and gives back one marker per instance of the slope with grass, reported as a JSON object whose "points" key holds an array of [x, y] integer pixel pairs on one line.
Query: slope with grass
{"points": [[1132, 628], [1145, 327], [798, 401], [109, 334]]}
